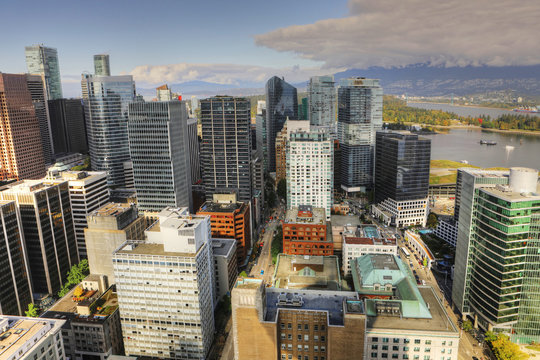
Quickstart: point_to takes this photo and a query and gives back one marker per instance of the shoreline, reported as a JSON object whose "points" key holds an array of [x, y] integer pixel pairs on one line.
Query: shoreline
{"points": [[459, 105], [475, 127]]}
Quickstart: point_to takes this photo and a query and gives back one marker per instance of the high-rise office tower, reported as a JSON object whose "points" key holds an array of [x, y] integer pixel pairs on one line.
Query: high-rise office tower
{"points": [[44, 61], [260, 131], [359, 117], [159, 148], [47, 225], [106, 100], [163, 93], [226, 146], [101, 65], [168, 280], [321, 100], [88, 191], [281, 103], [22, 151], [310, 175], [194, 159], [282, 139], [39, 99], [496, 276], [16, 292], [402, 164], [67, 126]]}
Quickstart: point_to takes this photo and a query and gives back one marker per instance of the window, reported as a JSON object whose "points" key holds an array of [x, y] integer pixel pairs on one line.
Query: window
{"points": [[283, 346], [375, 339], [306, 327], [427, 350], [405, 348], [406, 341], [289, 336], [299, 347], [442, 351], [306, 347], [385, 347], [385, 340], [395, 356], [449, 351], [384, 356], [289, 326], [316, 327], [315, 337], [299, 357], [324, 327], [283, 357], [416, 348], [395, 348], [373, 355], [416, 357], [306, 337], [289, 347], [283, 325], [316, 348], [405, 356], [449, 343], [323, 338], [374, 347], [426, 357], [428, 342], [299, 337], [443, 343], [283, 336], [299, 327], [396, 340], [323, 349], [417, 341]]}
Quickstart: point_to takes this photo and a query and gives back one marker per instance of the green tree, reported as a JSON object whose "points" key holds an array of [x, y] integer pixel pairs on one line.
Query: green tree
{"points": [[467, 325], [424, 262], [490, 336], [32, 311], [282, 189], [504, 349], [74, 276], [243, 274], [277, 244], [432, 220]]}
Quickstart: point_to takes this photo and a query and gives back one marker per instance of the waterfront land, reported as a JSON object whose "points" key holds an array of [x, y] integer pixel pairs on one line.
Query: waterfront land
{"points": [[445, 171]]}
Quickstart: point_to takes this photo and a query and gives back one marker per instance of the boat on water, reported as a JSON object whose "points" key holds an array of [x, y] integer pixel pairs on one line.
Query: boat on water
{"points": [[530, 110], [488, 142]]}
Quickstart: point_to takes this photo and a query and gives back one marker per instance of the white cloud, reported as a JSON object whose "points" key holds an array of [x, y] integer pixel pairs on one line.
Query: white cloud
{"points": [[231, 74], [402, 32]]}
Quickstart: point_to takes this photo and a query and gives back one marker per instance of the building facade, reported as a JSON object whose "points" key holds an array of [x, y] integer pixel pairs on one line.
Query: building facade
{"points": [[67, 126], [47, 224], [226, 146], [322, 100], [402, 162], [230, 219], [282, 139], [22, 155], [16, 291], [102, 66], [159, 148], [194, 158], [357, 243], [167, 280], [39, 100], [281, 103], [43, 61], [305, 232], [225, 266], [359, 117], [310, 176], [106, 100]]}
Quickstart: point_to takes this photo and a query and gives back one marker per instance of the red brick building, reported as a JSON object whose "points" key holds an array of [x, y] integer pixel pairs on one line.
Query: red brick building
{"points": [[305, 232]]}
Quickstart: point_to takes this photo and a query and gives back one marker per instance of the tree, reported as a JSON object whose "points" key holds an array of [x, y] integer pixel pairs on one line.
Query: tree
{"points": [[282, 189], [467, 325], [424, 262], [432, 220], [74, 276], [504, 349], [490, 336], [243, 274], [32, 311]]}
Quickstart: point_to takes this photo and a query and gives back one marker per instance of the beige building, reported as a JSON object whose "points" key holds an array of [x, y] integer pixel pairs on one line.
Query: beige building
{"points": [[225, 265], [108, 228], [307, 272], [271, 323]]}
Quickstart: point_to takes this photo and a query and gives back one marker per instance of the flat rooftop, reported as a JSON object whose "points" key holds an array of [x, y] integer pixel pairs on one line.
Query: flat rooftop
{"points": [[143, 248], [112, 209], [345, 220], [305, 215], [307, 272], [214, 207], [507, 194], [369, 241], [332, 302], [439, 321], [19, 332], [222, 247]]}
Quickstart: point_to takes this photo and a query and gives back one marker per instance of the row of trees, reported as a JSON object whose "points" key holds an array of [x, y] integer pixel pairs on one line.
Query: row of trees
{"points": [[74, 276]]}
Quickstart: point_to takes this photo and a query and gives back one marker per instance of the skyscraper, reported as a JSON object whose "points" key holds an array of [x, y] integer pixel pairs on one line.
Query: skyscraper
{"points": [[44, 61], [67, 126], [47, 225], [496, 277], [163, 93], [22, 155], [16, 291], [321, 99], [226, 146], [106, 100], [310, 170], [402, 164], [39, 99], [281, 103], [158, 143], [167, 282], [101, 65], [194, 159], [260, 131], [359, 117]]}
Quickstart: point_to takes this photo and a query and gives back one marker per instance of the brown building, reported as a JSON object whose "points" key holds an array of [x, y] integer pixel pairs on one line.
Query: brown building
{"points": [[304, 232], [230, 219], [281, 145], [272, 323], [21, 154]]}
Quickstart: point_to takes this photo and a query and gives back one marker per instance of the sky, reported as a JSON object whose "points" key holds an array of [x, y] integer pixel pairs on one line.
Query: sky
{"points": [[245, 42]]}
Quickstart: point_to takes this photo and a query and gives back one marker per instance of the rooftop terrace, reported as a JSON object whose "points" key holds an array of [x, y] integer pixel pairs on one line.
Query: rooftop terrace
{"points": [[307, 272], [214, 207], [306, 215]]}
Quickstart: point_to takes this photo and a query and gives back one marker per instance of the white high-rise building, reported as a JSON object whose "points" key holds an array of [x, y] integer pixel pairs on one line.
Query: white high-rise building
{"points": [[166, 288], [321, 100], [310, 171]]}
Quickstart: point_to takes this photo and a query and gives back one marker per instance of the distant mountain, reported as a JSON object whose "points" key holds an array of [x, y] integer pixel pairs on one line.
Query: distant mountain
{"points": [[424, 80]]}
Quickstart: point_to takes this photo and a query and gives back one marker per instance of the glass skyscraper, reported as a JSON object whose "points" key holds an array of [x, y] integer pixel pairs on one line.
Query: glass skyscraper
{"points": [[321, 99], [226, 146], [160, 152], [44, 61], [106, 100], [281, 103], [101, 65], [496, 277], [359, 117]]}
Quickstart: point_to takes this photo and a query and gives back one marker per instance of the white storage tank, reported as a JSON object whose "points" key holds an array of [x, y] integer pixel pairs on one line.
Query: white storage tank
{"points": [[523, 180]]}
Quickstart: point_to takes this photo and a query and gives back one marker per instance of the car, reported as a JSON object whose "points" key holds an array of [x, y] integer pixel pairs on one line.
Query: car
{"points": [[418, 282], [414, 272], [262, 272]]}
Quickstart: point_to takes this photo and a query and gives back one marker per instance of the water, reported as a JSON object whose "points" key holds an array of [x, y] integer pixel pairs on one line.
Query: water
{"points": [[468, 110], [464, 144]]}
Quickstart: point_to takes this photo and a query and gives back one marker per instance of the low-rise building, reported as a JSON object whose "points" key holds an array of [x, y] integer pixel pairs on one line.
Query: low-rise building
{"points": [[363, 240], [225, 265], [307, 272], [305, 232], [339, 225], [273, 323], [92, 321], [26, 338], [415, 242], [447, 230]]}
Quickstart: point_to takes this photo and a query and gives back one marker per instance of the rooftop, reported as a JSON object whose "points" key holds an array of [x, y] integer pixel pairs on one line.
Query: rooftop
{"points": [[439, 321], [222, 247], [135, 247], [305, 214], [345, 220], [112, 209], [211, 206], [307, 272], [506, 193], [332, 302], [368, 241]]}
